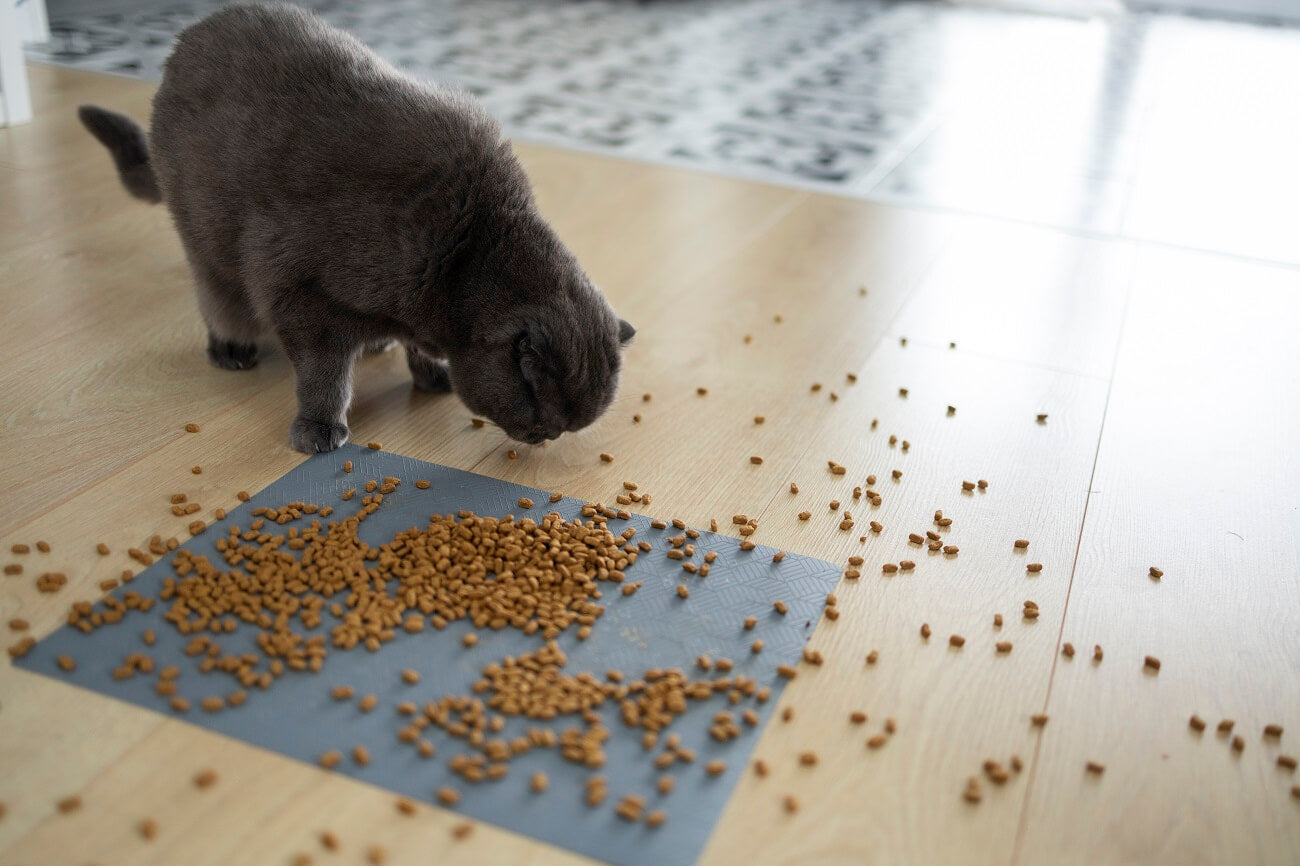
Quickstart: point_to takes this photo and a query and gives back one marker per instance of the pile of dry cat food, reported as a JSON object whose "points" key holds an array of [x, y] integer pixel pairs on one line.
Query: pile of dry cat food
{"points": [[290, 566]]}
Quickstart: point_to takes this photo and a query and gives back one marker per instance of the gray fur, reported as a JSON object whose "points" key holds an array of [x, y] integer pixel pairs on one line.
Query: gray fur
{"points": [[326, 198]]}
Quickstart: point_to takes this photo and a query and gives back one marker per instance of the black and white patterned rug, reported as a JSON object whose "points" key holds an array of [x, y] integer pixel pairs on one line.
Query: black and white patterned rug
{"points": [[1015, 114]]}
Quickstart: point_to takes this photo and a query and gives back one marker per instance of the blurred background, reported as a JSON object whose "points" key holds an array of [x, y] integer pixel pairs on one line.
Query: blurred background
{"points": [[1174, 122]]}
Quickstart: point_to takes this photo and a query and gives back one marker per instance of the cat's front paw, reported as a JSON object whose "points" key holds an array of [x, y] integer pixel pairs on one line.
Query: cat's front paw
{"points": [[429, 374], [316, 437]]}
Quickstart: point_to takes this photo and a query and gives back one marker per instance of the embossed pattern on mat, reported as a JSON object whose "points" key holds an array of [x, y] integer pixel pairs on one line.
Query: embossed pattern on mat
{"points": [[653, 628]]}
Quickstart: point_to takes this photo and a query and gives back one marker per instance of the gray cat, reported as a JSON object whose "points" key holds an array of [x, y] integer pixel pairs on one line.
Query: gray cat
{"points": [[325, 197]]}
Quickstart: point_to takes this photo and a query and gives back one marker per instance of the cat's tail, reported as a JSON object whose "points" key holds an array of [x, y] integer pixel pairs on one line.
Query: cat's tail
{"points": [[126, 141]]}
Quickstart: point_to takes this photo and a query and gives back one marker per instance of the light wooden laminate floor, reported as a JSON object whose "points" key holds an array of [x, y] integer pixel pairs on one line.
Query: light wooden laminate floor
{"points": [[1168, 377]]}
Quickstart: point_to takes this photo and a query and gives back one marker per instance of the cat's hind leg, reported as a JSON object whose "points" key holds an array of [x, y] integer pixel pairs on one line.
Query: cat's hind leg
{"points": [[430, 374], [233, 327]]}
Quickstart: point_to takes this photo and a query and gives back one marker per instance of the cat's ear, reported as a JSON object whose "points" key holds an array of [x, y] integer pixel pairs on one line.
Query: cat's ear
{"points": [[625, 332]]}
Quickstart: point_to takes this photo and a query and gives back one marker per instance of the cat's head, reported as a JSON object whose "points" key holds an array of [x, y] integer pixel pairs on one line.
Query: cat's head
{"points": [[542, 363]]}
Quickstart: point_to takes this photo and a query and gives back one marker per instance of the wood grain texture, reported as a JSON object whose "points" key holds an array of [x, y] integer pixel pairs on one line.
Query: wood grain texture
{"points": [[101, 365], [1198, 475]]}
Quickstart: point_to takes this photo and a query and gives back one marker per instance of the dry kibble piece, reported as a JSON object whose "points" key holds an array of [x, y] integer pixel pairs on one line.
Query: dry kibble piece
{"points": [[606, 457], [683, 591], [539, 782], [329, 841], [410, 676], [715, 768], [1156, 573], [1042, 418], [1196, 723], [470, 639], [925, 630], [69, 804], [857, 717], [341, 693], [1095, 768], [1097, 653], [1003, 646], [367, 703], [1225, 726], [102, 549], [1022, 543], [1151, 662], [66, 663], [525, 502], [956, 640], [756, 646], [1273, 731], [876, 741], [361, 755], [780, 607], [205, 779], [759, 419], [1238, 743], [1039, 719], [790, 803], [1286, 762], [405, 806], [656, 818], [376, 855], [1067, 650], [997, 620], [756, 460], [147, 828], [1034, 567], [197, 470]]}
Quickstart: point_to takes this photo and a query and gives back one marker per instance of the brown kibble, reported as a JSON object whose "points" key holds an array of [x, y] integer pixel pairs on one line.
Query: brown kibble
{"points": [[956, 640], [341, 693], [1095, 768], [750, 622], [756, 460], [759, 419], [331, 759], [656, 818], [606, 458], [13, 568], [375, 446], [1039, 719], [1022, 543], [197, 470], [760, 768], [1151, 662], [376, 855], [1156, 573], [525, 502], [367, 703], [780, 607], [102, 549], [756, 646], [212, 704], [1225, 726], [512, 454], [1003, 646], [410, 677], [1034, 567], [1273, 731], [925, 630], [1238, 743], [790, 803], [405, 806], [421, 484], [1196, 723], [997, 620], [876, 741], [1286, 762], [715, 768], [1042, 418], [147, 828], [66, 663], [1097, 653], [1067, 650], [972, 792], [69, 804], [786, 671], [808, 759], [205, 779], [329, 841], [361, 755], [470, 639], [683, 591], [857, 717]]}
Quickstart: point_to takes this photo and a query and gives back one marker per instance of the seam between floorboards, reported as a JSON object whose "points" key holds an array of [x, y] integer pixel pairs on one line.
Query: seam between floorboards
{"points": [[1022, 824]]}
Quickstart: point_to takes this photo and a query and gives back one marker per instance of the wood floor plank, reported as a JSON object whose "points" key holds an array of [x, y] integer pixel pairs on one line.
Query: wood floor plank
{"points": [[1198, 475]]}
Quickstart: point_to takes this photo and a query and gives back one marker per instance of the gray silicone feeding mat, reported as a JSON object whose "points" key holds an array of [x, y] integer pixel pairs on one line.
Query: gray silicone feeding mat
{"points": [[653, 628]]}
